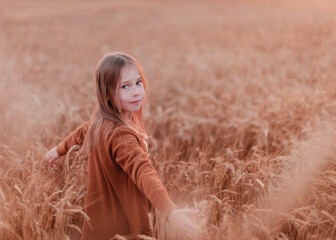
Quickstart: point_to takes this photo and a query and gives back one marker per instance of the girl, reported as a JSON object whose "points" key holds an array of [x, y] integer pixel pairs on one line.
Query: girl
{"points": [[122, 183]]}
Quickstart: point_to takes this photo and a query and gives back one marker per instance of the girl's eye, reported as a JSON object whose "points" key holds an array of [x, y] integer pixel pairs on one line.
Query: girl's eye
{"points": [[124, 86], [139, 82]]}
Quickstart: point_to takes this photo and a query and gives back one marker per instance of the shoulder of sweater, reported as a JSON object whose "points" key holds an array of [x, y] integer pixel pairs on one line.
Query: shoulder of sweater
{"points": [[121, 132]]}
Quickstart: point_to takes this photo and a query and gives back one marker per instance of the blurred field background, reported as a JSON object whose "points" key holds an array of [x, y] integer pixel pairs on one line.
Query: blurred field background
{"points": [[240, 111]]}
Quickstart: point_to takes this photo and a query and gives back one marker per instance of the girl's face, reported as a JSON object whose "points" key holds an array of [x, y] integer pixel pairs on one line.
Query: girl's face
{"points": [[131, 91]]}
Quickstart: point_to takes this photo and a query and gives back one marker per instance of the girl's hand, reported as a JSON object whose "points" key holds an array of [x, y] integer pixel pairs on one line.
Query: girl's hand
{"points": [[52, 155], [180, 219]]}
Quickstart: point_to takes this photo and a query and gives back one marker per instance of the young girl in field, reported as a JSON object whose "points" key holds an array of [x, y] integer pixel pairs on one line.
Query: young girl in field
{"points": [[122, 183]]}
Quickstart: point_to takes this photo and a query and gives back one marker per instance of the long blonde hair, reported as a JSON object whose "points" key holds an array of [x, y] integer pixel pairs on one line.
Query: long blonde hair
{"points": [[107, 76]]}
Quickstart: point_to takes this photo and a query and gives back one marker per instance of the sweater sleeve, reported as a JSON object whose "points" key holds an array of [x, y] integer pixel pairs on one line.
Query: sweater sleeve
{"points": [[132, 158], [74, 138]]}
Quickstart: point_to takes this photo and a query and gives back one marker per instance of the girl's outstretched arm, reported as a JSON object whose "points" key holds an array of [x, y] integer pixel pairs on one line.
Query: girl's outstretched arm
{"points": [[132, 158], [74, 138]]}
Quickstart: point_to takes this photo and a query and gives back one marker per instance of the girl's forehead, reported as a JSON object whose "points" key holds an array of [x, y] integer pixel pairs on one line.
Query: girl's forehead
{"points": [[129, 73]]}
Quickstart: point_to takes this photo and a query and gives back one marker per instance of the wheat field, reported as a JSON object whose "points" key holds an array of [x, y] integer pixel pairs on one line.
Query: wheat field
{"points": [[241, 111]]}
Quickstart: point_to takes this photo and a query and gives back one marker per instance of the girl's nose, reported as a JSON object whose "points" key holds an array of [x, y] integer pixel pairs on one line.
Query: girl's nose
{"points": [[136, 92]]}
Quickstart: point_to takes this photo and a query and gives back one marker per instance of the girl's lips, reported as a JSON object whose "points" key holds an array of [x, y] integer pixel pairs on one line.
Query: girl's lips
{"points": [[136, 102]]}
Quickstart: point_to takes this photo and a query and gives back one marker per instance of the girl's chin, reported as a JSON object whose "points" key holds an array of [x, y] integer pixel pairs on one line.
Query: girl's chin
{"points": [[131, 111]]}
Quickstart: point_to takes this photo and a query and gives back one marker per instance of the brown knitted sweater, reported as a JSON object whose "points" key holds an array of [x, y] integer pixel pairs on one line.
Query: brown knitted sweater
{"points": [[122, 183]]}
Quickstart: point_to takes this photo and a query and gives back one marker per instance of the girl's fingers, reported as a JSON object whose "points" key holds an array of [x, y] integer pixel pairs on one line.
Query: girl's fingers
{"points": [[195, 233], [50, 162], [191, 227], [191, 212], [191, 230], [182, 221], [51, 156]]}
